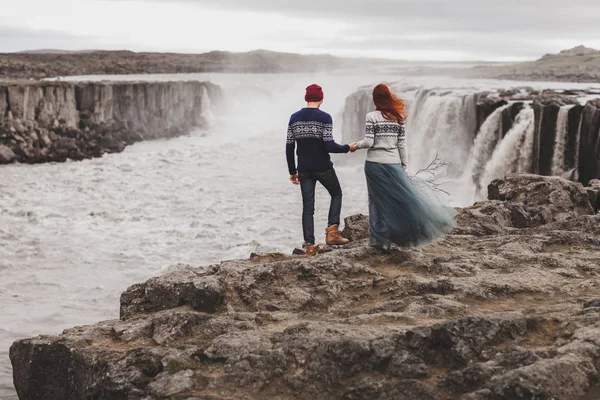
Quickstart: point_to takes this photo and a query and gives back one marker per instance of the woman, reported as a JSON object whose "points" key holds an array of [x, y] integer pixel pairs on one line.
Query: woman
{"points": [[398, 211]]}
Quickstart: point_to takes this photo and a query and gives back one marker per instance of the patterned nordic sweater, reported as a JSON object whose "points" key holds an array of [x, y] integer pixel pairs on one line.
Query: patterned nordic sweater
{"points": [[312, 130], [385, 140]]}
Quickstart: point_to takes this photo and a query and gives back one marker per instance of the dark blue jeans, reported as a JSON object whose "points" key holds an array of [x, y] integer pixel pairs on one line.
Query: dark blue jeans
{"points": [[308, 183]]}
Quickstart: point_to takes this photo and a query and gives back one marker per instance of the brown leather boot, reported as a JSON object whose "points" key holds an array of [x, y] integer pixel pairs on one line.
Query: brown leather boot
{"points": [[312, 251], [333, 237]]}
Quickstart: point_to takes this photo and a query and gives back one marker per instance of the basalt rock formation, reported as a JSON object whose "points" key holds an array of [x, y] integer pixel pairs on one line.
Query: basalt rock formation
{"points": [[55, 121], [505, 307], [460, 115]]}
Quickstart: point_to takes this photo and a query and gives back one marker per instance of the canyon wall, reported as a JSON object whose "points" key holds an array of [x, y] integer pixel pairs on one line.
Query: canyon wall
{"points": [[56, 121], [469, 129]]}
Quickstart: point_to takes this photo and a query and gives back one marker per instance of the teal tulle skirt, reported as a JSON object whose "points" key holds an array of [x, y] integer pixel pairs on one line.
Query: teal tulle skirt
{"points": [[399, 211]]}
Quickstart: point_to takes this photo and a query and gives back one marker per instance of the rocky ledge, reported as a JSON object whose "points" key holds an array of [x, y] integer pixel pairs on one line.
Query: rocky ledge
{"points": [[505, 307], [55, 121]]}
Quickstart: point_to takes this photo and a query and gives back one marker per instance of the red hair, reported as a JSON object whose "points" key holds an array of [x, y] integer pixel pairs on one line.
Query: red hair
{"points": [[391, 107]]}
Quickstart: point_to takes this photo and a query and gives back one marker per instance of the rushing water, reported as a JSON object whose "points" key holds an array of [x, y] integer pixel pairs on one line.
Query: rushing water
{"points": [[562, 126], [513, 153], [445, 124], [486, 141], [73, 236]]}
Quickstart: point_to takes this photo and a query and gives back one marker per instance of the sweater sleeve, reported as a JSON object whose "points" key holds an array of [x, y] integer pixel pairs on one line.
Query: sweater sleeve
{"points": [[402, 146], [290, 147], [369, 139], [330, 145]]}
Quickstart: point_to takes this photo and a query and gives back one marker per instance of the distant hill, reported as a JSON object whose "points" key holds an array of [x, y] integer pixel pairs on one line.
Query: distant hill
{"points": [[54, 51], [579, 51], [39, 64], [579, 64]]}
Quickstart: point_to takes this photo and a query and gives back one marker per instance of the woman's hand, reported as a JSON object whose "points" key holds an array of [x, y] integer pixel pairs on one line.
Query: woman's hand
{"points": [[353, 147], [294, 179]]}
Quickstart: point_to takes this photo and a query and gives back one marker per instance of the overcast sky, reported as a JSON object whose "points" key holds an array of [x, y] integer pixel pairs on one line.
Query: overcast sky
{"points": [[417, 30]]}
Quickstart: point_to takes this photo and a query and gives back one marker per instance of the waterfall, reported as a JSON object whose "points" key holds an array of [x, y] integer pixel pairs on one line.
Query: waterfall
{"points": [[525, 160], [417, 104], [562, 128], [484, 145], [470, 115], [512, 148], [576, 165], [206, 108], [443, 122], [442, 125]]}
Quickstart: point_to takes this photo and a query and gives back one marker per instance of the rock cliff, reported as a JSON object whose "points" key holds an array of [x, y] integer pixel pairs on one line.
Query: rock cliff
{"points": [[580, 144], [505, 307], [55, 121]]}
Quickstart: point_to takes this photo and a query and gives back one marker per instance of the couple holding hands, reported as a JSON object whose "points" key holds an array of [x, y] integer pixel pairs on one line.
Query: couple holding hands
{"points": [[398, 212]]}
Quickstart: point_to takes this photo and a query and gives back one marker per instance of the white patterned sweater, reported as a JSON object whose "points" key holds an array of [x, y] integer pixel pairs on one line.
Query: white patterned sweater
{"points": [[385, 140]]}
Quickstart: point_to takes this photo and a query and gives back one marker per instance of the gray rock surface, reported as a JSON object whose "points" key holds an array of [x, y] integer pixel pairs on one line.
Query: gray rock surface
{"points": [[505, 307], [6, 155]]}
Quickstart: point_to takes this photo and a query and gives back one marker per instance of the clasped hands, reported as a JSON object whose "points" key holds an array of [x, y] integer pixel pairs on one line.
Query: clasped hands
{"points": [[296, 181]]}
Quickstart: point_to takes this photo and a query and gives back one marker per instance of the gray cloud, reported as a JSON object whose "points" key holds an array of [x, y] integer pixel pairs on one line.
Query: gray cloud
{"points": [[550, 16], [20, 39], [17, 39], [492, 28], [471, 29]]}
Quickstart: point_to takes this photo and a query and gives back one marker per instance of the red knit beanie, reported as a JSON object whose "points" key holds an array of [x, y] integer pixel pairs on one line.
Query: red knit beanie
{"points": [[314, 93]]}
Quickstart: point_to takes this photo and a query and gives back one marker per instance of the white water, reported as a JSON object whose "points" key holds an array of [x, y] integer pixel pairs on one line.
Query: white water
{"points": [[485, 143], [505, 158], [73, 236], [207, 110], [442, 126], [562, 128], [524, 164]]}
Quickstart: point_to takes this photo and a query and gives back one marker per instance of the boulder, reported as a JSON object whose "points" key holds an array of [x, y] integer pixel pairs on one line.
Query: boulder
{"points": [[558, 196], [7, 156], [593, 191], [356, 227], [185, 287], [524, 201]]}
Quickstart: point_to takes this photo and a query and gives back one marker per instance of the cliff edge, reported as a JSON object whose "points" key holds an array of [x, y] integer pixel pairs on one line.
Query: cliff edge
{"points": [[56, 121], [506, 307]]}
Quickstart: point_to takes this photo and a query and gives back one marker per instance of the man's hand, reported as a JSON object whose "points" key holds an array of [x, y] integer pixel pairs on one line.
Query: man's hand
{"points": [[294, 179], [353, 147]]}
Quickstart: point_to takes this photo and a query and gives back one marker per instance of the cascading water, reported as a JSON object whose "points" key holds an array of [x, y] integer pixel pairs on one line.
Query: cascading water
{"points": [[562, 127], [444, 122], [443, 126], [525, 161], [486, 141], [206, 109], [577, 143], [505, 158]]}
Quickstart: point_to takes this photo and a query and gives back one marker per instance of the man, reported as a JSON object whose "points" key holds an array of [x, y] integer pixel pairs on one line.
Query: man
{"points": [[312, 130]]}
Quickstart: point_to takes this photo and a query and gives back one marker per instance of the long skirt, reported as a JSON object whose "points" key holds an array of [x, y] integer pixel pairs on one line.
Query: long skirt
{"points": [[400, 212]]}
